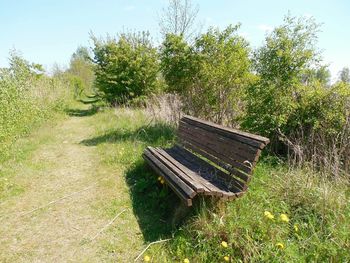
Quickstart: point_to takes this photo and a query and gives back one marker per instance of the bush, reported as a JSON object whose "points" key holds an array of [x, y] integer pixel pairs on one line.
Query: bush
{"points": [[209, 75], [26, 97], [81, 72], [280, 65], [292, 102], [125, 68]]}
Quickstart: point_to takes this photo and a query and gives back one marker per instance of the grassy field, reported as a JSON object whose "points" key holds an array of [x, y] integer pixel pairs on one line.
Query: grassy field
{"points": [[94, 157]]}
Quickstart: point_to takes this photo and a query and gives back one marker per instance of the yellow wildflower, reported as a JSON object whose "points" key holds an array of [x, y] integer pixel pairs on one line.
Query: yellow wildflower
{"points": [[268, 215], [224, 244], [147, 258], [227, 258], [162, 181], [160, 178], [284, 218], [280, 245], [296, 228], [186, 260]]}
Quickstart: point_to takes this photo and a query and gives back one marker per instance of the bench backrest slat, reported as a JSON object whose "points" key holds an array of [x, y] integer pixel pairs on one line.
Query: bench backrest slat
{"points": [[234, 151]]}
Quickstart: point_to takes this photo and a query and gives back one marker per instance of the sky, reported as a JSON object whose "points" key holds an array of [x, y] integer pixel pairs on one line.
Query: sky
{"points": [[48, 32]]}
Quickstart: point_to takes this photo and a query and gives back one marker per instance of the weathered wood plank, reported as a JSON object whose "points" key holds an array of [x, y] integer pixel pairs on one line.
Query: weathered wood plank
{"points": [[223, 148], [184, 187], [228, 145], [185, 198], [179, 160], [244, 137], [195, 163], [215, 156], [186, 177], [190, 177]]}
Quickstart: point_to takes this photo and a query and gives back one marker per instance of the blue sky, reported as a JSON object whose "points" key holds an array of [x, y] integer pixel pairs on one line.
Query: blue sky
{"points": [[47, 31]]}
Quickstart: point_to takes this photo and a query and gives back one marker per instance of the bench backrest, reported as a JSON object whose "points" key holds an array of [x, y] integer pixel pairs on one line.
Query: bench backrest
{"points": [[236, 152]]}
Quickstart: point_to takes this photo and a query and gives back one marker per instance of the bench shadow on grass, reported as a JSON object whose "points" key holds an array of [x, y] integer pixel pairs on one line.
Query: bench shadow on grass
{"points": [[158, 210], [155, 135]]}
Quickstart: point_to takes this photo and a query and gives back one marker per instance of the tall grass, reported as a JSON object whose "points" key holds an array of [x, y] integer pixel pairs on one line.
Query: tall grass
{"points": [[27, 96]]}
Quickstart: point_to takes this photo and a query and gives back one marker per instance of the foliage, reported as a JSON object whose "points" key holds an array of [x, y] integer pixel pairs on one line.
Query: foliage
{"points": [[344, 75], [27, 96], [81, 72], [215, 69], [292, 101], [125, 68], [280, 64]]}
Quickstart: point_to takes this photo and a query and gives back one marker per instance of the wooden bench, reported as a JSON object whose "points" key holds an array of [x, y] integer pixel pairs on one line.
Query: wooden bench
{"points": [[209, 159]]}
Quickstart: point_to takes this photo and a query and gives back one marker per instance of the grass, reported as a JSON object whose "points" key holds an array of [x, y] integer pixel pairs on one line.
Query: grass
{"points": [[105, 146], [317, 208]]}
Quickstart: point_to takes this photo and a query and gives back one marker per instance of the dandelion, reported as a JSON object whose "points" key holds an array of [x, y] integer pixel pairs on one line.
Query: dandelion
{"points": [[227, 258], [147, 258], [186, 260], [284, 218], [296, 228], [224, 244], [159, 178], [268, 215], [280, 245], [162, 181]]}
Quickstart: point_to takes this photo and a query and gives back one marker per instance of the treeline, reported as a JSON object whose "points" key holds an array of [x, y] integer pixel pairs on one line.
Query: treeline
{"points": [[280, 90]]}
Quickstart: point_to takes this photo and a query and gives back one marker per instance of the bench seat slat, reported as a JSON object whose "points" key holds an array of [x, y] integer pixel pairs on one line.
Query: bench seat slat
{"points": [[178, 160], [192, 178], [184, 187], [228, 183], [185, 198], [183, 175]]}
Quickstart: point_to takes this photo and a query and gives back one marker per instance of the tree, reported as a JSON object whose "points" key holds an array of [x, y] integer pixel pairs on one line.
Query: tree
{"points": [[179, 64], [82, 53], [178, 18], [320, 74], [281, 64], [344, 75], [209, 75], [81, 69], [125, 68]]}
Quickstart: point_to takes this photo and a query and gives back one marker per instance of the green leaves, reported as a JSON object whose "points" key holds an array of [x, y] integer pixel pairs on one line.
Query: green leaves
{"points": [[281, 64], [210, 74], [126, 68]]}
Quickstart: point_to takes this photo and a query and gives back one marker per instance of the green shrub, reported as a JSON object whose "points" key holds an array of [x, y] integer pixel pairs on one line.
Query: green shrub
{"points": [[211, 74], [280, 65], [81, 72], [27, 96], [292, 102], [125, 68]]}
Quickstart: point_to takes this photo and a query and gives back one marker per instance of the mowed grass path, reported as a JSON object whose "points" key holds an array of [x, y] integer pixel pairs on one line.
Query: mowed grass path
{"points": [[72, 173]]}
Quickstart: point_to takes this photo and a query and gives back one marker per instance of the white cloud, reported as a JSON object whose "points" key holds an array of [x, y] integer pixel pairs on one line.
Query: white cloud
{"points": [[265, 28], [129, 8]]}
